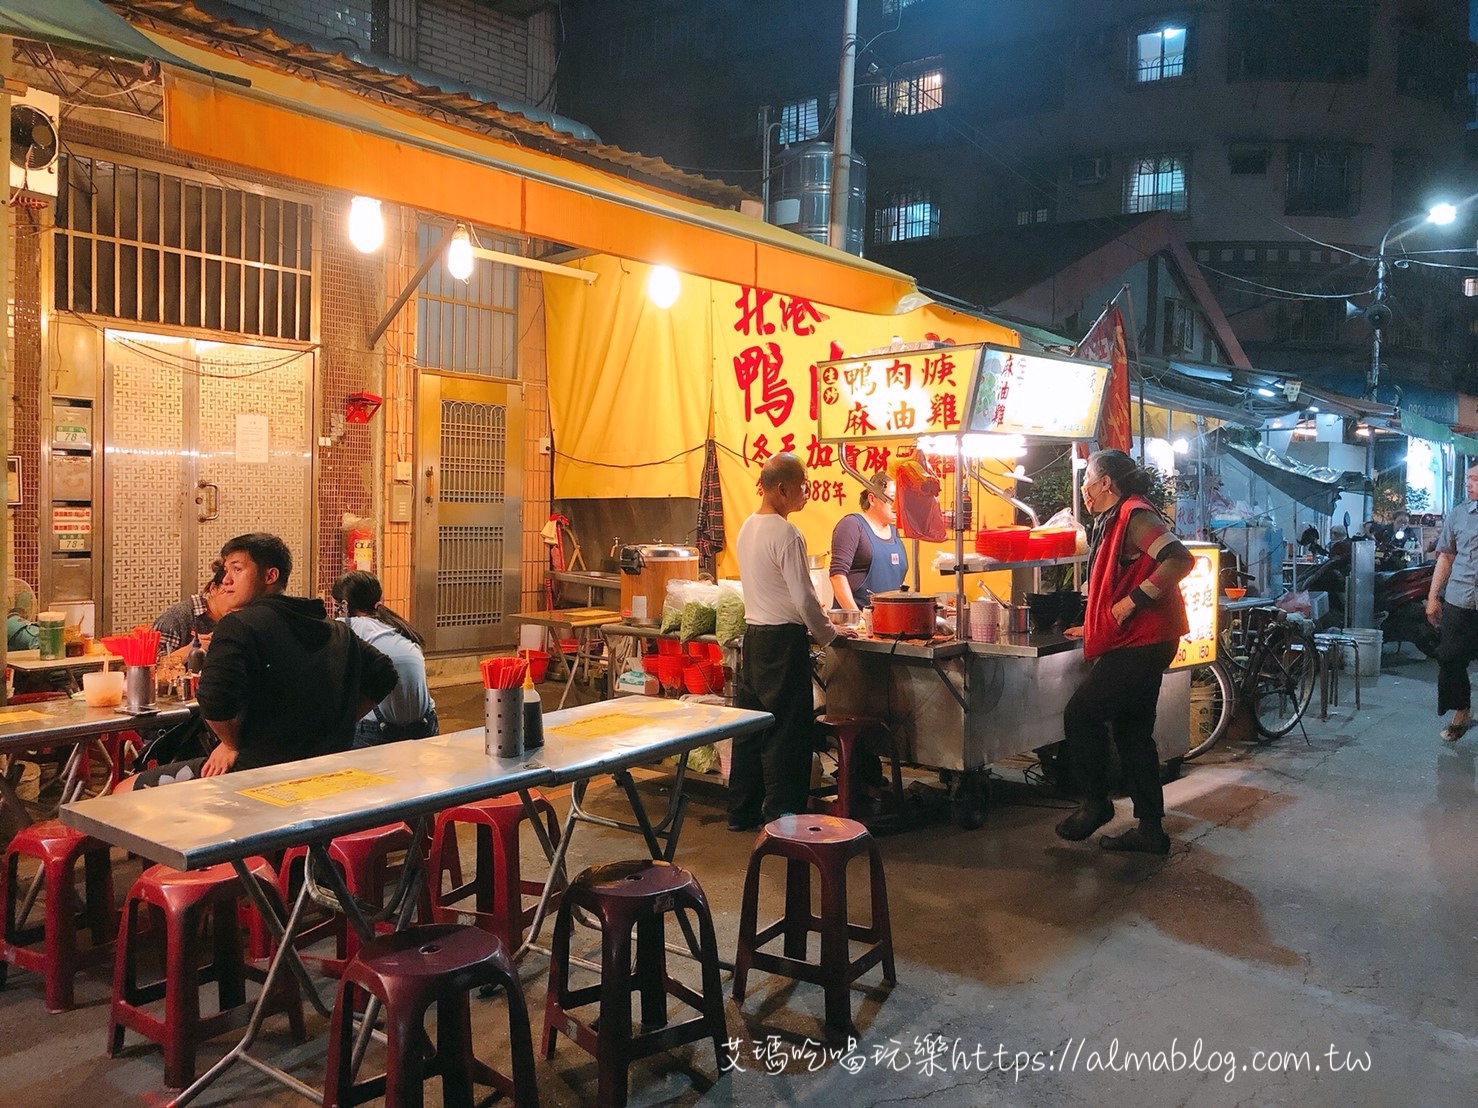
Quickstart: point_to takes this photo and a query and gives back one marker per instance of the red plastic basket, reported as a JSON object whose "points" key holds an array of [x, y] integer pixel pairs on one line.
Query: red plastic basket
{"points": [[669, 647], [704, 677], [670, 671]]}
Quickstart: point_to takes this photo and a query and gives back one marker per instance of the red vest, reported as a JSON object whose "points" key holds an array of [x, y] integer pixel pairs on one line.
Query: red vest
{"points": [[1111, 580]]}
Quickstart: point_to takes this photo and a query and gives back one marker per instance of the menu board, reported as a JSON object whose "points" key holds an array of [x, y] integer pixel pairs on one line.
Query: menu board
{"points": [[901, 394], [1200, 589], [945, 390], [1035, 394]]}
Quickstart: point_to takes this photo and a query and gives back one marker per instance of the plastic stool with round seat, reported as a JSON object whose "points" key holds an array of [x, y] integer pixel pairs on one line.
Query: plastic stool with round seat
{"points": [[626, 896], [497, 887], [57, 849], [409, 971], [846, 732], [363, 857], [184, 899], [827, 844]]}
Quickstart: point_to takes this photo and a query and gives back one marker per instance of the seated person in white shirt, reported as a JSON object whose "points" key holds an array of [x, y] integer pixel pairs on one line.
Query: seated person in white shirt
{"points": [[408, 712]]}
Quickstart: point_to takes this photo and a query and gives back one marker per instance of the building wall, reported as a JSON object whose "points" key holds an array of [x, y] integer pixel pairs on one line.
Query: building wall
{"points": [[468, 42], [1030, 88], [25, 368]]}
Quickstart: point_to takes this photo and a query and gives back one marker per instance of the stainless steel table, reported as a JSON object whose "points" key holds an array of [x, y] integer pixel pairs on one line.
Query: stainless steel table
{"points": [[203, 822], [72, 723]]}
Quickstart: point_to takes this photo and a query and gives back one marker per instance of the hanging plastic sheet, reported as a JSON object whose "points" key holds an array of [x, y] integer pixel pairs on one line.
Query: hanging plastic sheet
{"points": [[1316, 487]]}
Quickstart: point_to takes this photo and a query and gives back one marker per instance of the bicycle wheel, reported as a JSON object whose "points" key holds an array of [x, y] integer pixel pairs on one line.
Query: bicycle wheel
{"points": [[1280, 679], [1212, 699]]}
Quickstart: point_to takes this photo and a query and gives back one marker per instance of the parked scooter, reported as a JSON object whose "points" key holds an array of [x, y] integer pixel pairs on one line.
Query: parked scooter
{"points": [[1400, 593]]}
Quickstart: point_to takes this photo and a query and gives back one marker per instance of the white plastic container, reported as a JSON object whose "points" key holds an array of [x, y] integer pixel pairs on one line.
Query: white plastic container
{"points": [[1370, 640]]}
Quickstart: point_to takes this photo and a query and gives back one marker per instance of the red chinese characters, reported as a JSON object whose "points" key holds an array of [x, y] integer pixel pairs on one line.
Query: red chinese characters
{"points": [[762, 365]]}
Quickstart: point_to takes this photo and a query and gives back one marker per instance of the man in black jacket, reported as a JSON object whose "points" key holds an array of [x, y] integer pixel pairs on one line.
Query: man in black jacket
{"points": [[281, 681]]}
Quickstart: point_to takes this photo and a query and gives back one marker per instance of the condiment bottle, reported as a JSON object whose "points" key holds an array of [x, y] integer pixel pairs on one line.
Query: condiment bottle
{"points": [[533, 714]]}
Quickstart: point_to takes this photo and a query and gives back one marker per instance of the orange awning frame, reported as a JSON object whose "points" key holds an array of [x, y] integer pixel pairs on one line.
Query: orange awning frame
{"points": [[309, 132]]}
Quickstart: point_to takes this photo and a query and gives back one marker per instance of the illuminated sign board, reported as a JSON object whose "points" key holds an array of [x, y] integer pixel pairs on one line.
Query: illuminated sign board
{"points": [[897, 395], [945, 390], [1200, 589], [1035, 394]]}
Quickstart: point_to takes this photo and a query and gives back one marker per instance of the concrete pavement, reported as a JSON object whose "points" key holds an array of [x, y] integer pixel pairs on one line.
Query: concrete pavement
{"points": [[1310, 940]]}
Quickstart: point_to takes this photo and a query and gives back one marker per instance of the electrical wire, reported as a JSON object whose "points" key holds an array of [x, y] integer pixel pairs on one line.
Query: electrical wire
{"points": [[1286, 294]]}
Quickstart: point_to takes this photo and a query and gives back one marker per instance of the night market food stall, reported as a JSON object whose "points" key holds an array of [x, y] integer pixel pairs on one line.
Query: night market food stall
{"points": [[988, 688]]}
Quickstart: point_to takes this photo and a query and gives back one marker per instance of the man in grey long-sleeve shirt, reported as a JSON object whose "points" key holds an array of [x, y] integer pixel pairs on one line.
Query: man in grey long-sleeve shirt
{"points": [[1452, 607]]}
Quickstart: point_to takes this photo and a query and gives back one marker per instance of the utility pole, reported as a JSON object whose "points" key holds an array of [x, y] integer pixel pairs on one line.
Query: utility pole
{"points": [[841, 156], [7, 296]]}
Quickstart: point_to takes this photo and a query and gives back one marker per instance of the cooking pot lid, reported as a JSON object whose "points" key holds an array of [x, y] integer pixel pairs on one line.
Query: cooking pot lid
{"points": [[662, 551], [899, 596]]}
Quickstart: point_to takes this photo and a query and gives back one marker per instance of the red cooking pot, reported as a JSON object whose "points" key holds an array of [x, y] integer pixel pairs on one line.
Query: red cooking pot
{"points": [[903, 614]]}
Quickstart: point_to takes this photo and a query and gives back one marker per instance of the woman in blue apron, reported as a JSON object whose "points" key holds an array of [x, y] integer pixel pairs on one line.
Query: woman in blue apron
{"points": [[867, 553]]}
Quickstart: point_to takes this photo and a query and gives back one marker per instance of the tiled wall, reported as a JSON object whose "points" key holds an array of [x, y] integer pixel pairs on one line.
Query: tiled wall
{"points": [[25, 368], [399, 345], [352, 294]]}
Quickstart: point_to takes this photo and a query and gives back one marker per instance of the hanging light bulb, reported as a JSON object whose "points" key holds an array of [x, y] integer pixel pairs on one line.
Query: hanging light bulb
{"points": [[459, 254], [663, 286], [366, 224]]}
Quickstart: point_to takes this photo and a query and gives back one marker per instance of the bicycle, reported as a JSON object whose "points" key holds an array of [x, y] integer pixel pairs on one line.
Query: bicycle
{"points": [[1274, 678]]}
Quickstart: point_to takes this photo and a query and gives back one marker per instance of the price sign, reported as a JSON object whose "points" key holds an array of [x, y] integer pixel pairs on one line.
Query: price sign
{"points": [[1200, 589]]}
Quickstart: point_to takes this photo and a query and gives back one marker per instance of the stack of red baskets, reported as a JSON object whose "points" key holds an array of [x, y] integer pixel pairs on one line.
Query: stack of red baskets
{"points": [[1005, 544], [703, 676]]}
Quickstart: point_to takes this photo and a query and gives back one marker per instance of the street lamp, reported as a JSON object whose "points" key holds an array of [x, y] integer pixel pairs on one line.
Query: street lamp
{"points": [[1379, 314]]}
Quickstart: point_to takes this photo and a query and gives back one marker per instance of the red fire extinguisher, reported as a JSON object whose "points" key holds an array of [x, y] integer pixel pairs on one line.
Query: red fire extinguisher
{"points": [[359, 549]]}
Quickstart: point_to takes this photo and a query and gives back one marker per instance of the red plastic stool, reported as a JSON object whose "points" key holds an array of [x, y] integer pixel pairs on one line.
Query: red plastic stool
{"points": [[829, 844], [57, 959], [497, 882], [410, 971], [846, 732], [364, 858], [627, 895], [184, 899]]}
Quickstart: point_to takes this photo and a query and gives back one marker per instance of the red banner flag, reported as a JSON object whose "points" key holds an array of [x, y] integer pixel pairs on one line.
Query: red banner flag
{"points": [[1106, 343]]}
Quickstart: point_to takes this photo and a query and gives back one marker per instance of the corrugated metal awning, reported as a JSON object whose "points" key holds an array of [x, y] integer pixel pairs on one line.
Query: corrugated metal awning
{"points": [[91, 26]]}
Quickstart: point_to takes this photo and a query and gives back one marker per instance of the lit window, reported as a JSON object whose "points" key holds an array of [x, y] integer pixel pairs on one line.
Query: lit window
{"points": [[799, 122], [1027, 216], [912, 93], [905, 214], [1159, 55], [1155, 183]]}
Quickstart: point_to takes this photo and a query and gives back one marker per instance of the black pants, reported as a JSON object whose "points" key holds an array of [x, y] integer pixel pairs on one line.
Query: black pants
{"points": [[770, 775], [1458, 647], [1119, 698]]}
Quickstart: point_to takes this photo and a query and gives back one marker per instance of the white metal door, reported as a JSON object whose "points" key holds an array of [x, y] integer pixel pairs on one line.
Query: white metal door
{"points": [[204, 440]]}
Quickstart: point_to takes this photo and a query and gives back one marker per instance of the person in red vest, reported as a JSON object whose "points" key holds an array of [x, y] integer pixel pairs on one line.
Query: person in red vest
{"points": [[1134, 619]]}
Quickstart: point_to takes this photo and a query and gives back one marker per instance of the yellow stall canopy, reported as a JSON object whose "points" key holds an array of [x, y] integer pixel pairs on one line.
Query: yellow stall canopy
{"points": [[314, 132], [635, 391]]}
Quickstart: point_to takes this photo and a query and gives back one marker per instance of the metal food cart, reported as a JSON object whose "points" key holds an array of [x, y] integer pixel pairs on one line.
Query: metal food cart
{"points": [[955, 705]]}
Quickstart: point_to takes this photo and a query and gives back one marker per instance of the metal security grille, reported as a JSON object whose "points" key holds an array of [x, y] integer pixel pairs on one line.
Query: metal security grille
{"points": [[473, 445], [467, 326], [1155, 183], [469, 577], [151, 247]]}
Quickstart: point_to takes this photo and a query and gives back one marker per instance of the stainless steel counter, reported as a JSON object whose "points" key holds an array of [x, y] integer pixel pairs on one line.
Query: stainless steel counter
{"points": [[962, 706]]}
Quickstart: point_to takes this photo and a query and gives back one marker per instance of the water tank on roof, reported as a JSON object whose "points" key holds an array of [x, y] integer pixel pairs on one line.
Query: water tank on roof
{"points": [[805, 179]]}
